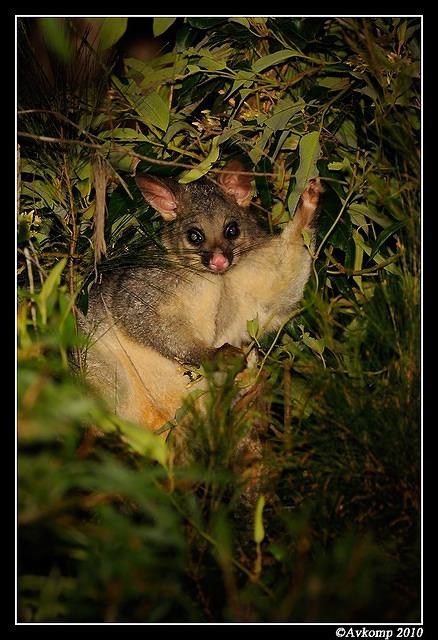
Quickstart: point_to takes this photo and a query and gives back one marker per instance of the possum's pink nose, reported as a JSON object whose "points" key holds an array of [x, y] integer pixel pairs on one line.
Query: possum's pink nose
{"points": [[219, 262]]}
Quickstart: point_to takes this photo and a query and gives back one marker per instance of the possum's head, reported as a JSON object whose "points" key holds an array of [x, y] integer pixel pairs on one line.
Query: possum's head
{"points": [[208, 223]]}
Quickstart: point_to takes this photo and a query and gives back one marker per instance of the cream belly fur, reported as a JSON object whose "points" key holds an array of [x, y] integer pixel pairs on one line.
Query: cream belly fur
{"points": [[141, 385], [198, 297]]}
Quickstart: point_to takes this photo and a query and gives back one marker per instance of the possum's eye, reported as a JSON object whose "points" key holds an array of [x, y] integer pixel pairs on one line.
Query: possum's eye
{"points": [[195, 236], [231, 231]]}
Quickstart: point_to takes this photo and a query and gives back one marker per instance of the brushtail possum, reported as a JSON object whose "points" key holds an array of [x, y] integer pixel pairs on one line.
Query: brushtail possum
{"points": [[146, 323]]}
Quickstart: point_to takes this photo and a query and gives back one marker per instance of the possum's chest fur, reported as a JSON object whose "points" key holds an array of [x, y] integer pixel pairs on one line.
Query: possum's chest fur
{"points": [[198, 302], [269, 294], [266, 285]]}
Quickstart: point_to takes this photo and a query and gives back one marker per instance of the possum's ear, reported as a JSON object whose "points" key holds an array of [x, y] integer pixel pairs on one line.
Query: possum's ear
{"points": [[158, 194], [236, 184]]}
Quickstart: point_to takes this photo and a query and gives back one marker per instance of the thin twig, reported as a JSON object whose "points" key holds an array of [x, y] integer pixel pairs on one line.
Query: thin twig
{"points": [[289, 317], [367, 270], [329, 232], [133, 154]]}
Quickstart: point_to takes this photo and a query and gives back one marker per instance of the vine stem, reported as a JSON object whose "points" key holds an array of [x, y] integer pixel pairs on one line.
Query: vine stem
{"points": [[290, 316], [329, 232]]}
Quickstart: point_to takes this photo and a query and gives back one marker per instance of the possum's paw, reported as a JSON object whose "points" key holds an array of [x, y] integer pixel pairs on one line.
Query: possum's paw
{"points": [[308, 205], [225, 356], [310, 196], [230, 351]]}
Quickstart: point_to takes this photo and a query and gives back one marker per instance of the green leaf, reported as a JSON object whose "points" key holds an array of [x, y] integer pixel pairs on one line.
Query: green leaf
{"points": [[243, 21], [281, 141], [48, 288], [357, 218], [307, 237], [346, 134], [358, 257], [340, 166], [278, 552], [356, 210], [111, 31], [259, 530], [233, 127], [401, 32], [152, 109], [45, 190], [204, 166], [292, 141], [301, 395], [275, 58], [33, 166], [333, 83], [369, 91], [205, 23], [252, 326], [154, 77], [177, 127], [161, 25], [245, 78], [84, 187], [284, 110], [144, 442], [83, 170], [56, 37], [256, 153], [309, 154], [387, 233], [211, 64], [123, 133], [317, 346], [52, 279]]}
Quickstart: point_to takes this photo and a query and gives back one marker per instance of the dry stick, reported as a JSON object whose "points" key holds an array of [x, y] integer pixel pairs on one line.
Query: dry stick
{"points": [[60, 254], [367, 270], [31, 284], [18, 178], [74, 231], [71, 260], [41, 272], [60, 116], [100, 184], [133, 154], [93, 136], [287, 387], [26, 250]]}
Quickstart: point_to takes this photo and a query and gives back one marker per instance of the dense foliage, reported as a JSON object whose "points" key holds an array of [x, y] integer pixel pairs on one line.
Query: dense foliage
{"points": [[110, 529]]}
